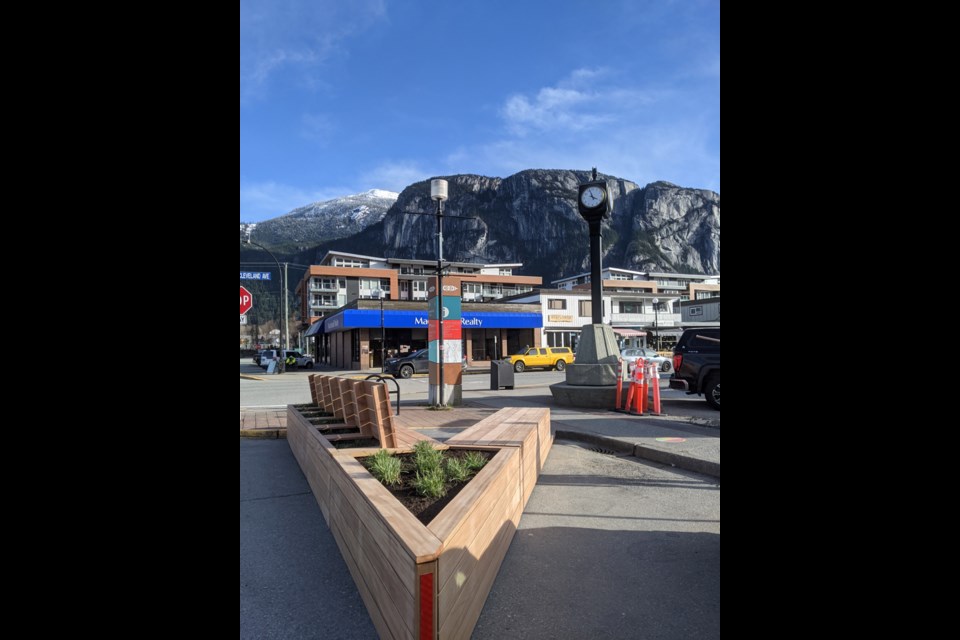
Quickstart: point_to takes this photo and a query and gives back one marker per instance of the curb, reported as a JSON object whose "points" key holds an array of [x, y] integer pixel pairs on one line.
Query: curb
{"points": [[247, 376], [265, 434], [678, 460]]}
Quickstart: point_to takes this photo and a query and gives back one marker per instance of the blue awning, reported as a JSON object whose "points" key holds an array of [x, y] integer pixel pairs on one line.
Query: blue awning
{"points": [[315, 328], [370, 319]]}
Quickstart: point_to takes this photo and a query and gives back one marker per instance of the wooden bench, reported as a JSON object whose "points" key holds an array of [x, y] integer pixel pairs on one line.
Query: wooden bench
{"points": [[525, 428], [364, 405]]}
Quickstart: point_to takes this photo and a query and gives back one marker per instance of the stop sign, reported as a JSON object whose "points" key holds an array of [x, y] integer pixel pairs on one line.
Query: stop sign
{"points": [[246, 300]]}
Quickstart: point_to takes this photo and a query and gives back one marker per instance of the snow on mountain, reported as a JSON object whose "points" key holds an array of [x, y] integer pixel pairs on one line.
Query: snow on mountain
{"points": [[324, 221]]}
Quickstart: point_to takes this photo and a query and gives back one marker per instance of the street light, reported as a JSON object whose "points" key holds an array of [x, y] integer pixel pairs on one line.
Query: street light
{"points": [[438, 192], [383, 340], [285, 333], [656, 320]]}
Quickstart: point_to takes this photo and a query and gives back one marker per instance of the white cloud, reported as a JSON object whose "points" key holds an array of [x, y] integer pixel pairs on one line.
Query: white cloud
{"points": [[297, 34], [394, 176], [594, 117], [573, 105]]}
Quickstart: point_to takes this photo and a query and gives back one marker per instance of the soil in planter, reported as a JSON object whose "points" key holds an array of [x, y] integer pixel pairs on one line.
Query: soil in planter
{"points": [[423, 508], [363, 443]]}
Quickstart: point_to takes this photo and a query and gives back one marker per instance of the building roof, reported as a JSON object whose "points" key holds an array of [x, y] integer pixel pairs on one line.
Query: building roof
{"points": [[693, 303], [646, 274], [352, 255], [433, 263]]}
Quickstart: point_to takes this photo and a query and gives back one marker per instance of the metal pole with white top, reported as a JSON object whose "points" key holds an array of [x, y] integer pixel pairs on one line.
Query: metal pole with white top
{"points": [[438, 192], [656, 320]]}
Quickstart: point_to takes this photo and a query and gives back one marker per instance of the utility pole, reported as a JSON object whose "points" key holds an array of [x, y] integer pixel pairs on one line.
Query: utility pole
{"points": [[284, 335], [286, 307]]}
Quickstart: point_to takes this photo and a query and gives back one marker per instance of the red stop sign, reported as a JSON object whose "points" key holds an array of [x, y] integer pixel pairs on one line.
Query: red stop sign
{"points": [[246, 300]]}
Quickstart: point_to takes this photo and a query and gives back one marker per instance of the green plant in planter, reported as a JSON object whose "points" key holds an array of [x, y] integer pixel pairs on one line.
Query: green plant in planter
{"points": [[474, 461], [457, 470], [426, 458], [431, 482], [385, 467]]}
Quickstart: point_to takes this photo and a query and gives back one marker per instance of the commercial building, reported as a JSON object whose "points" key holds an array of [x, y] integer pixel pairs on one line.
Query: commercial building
{"points": [[700, 312], [634, 316], [341, 297], [355, 336]]}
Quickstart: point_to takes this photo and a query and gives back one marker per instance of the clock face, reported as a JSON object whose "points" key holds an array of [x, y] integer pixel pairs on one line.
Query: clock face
{"points": [[592, 197]]}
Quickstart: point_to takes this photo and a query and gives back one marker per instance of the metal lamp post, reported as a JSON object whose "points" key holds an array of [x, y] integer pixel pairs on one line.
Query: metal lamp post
{"points": [[383, 340], [438, 192], [656, 320]]}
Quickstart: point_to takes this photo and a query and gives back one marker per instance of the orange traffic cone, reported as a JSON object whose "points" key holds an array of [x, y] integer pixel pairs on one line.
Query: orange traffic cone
{"points": [[641, 388]]}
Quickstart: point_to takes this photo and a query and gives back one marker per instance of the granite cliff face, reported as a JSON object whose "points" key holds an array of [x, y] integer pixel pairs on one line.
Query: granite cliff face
{"points": [[532, 217]]}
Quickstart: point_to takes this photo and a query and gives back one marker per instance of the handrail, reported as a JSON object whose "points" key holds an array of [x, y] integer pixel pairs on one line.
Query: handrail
{"points": [[380, 378]]}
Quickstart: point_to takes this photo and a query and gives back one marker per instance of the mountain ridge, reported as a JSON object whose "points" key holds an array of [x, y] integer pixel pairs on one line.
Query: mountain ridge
{"points": [[529, 217]]}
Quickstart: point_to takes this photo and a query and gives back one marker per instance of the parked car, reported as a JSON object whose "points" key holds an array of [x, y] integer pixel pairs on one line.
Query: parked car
{"points": [[266, 356], [630, 356], [542, 357], [405, 367], [696, 363], [303, 362]]}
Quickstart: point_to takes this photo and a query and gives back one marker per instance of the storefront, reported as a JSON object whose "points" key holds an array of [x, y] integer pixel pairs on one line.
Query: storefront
{"points": [[354, 338]]}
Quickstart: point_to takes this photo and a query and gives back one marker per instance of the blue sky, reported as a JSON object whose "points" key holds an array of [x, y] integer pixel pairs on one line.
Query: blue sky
{"points": [[342, 96]]}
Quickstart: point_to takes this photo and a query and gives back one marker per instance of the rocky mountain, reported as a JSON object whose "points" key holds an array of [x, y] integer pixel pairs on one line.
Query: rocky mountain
{"points": [[323, 221], [532, 217]]}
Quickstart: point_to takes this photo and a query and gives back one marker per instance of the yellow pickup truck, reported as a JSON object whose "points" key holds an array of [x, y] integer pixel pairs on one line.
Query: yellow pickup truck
{"points": [[542, 357]]}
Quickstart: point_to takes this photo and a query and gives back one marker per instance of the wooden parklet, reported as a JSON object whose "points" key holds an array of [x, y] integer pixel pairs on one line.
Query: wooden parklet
{"points": [[426, 581]]}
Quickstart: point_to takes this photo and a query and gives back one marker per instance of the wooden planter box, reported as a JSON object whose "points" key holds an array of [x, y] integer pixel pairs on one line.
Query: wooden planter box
{"points": [[417, 581]]}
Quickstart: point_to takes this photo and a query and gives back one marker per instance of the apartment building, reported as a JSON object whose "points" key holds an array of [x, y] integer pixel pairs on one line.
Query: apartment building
{"points": [[684, 285], [639, 318], [341, 278]]}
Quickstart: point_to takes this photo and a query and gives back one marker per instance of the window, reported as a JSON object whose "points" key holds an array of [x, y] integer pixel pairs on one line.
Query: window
{"points": [[696, 311], [585, 309], [349, 262], [543, 352], [325, 301], [631, 307], [556, 303], [506, 272], [420, 285], [703, 295], [619, 276]]}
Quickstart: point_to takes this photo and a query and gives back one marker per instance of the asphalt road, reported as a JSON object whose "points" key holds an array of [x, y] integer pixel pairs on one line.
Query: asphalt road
{"points": [[608, 547], [291, 388]]}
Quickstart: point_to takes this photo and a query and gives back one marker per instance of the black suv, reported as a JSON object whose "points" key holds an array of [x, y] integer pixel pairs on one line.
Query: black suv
{"points": [[416, 362], [696, 364]]}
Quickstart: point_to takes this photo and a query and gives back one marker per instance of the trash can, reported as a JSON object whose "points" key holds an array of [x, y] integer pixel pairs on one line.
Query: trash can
{"points": [[501, 375]]}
